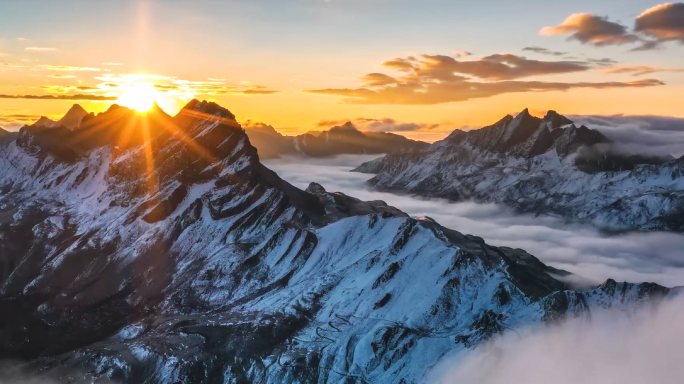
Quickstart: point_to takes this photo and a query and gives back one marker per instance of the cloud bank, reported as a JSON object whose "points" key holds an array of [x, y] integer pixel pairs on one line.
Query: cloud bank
{"points": [[637, 257], [609, 348], [640, 134], [435, 79]]}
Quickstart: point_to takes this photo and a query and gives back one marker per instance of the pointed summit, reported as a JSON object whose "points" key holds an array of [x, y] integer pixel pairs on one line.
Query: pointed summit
{"points": [[73, 117], [557, 120], [524, 113]]}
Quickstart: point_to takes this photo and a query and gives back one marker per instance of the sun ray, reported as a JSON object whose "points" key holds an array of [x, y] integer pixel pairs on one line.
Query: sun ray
{"points": [[140, 96]]}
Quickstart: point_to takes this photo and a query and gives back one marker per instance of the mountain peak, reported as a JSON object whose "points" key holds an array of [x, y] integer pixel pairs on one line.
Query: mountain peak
{"points": [[77, 108], [44, 121], [346, 128], [557, 120], [525, 112], [207, 108]]}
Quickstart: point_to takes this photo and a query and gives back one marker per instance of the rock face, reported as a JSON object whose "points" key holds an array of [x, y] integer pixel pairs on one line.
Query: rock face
{"points": [[168, 253], [544, 166], [345, 139]]}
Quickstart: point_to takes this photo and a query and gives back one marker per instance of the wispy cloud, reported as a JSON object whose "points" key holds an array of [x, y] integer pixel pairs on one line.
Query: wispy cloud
{"points": [[67, 68], [639, 70], [40, 49], [544, 51], [56, 76], [82, 97], [14, 121]]}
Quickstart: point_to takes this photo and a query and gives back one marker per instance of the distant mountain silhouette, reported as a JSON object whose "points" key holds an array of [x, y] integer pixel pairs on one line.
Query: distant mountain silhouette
{"points": [[6, 136], [344, 139], [71, 120]]}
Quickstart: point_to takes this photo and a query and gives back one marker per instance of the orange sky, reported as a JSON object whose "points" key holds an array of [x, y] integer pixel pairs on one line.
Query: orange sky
{"points": [[265, 73]]}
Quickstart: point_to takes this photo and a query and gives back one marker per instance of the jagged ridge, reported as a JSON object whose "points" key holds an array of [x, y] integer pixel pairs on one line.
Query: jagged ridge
{"points": [[544, 166]]}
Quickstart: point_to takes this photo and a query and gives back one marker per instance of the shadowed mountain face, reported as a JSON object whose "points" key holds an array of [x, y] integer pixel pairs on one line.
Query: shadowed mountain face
{"points": [[546, 166], [162, 250], [6, 135], [345, 139]]}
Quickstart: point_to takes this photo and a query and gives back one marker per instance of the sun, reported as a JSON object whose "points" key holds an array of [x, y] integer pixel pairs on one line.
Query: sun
{"points": [[140, 97]]}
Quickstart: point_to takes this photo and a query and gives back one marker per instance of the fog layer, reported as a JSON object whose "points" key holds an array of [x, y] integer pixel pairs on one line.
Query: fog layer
{"points": [[637, 257], [612, 348]]}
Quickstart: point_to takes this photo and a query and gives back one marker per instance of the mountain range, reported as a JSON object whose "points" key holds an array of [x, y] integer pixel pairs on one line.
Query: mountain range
{"points": [[151, 248], [343, 139], [544, 166], [71, 120]]}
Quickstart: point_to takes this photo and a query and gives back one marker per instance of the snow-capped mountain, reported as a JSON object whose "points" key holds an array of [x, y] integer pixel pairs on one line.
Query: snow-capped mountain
{"points": [[151, 248], [71, 120], [344, 139], [545, 166]]}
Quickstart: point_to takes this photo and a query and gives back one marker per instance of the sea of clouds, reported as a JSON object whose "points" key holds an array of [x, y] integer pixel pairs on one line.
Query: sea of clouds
{"points": [[611, 348]]}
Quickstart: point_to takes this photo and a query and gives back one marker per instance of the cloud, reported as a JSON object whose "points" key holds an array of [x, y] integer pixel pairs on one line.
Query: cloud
{"points": [[76, 97], [14, 121], [592, 29], [434, 79], [400, 64], [611, 347], [254, 91], [606, 61], [639, 70], [664, 22], [67, 68], [54, 76], [544, 51], [377, 80], [40, 49], [111, 64], [462, 54], [181, 88], [379, 125], [503, 66], [640, 134], [581, 249]]}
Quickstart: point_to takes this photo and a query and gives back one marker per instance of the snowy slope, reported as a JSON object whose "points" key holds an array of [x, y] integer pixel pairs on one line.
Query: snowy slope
{"points": [[546, 166], [181, 258]]}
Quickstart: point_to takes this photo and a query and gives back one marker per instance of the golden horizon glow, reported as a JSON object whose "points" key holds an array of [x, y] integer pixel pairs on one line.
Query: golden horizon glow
{"points": [[140, 96]]}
